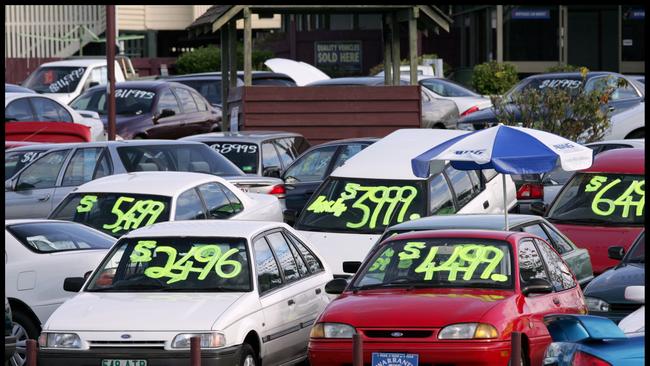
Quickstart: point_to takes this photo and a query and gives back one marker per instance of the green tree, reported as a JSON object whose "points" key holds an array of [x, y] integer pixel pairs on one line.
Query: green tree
{"points": [[493, 77], [207, 59]]}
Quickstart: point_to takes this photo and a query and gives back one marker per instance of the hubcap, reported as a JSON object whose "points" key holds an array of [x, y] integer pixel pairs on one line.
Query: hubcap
{"points": [[249, 361], [18, 358]]}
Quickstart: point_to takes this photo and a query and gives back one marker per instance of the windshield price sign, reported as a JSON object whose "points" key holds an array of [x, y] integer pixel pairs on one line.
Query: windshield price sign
{"points": [[131, 213], [602, 206]]}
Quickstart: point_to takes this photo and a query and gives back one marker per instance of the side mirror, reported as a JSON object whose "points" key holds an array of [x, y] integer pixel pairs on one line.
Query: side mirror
{"points": [[635, 293], [616, 253], [73, 284], [351, 267], [538, 208], [537, 286], [10, 185], [271, 171], [290, 216], [165, 113], [336, 286]]}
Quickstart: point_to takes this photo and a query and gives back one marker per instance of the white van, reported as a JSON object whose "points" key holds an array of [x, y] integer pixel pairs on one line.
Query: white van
{"points": [[65, 80], [377, 188]]}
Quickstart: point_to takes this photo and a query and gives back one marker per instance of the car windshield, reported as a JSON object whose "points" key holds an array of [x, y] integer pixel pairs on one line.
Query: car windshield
{"points": [[210, 89], [447, 88], [113, 213], [364, 206], [128, 101], [58, 79], [181, 264], [570, 83], [16, 160], [194, 157], [439, 262], [637, 252], [49, 237], [244, 155], [600, 198]]}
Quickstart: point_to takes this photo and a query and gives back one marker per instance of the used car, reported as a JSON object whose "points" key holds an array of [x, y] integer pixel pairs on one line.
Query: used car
{"points": [[153, 109], [447, 297], [376, 188], [42, 184], [466, 100], [605, 295], [603, 205], [208, 84], [119, 203], [251, 293], [12, 88], [39, 255], [309, 170], [629, 124]]}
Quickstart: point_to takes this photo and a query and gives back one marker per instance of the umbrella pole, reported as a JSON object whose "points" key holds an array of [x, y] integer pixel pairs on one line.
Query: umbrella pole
{"points": [[505, 206]]}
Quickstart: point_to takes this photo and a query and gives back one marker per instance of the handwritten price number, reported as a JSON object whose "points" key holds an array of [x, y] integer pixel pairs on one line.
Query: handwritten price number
{"points": [[625, 199], [86, 203], [133, 218], [29, 156], [240, 148], [179, 270]]}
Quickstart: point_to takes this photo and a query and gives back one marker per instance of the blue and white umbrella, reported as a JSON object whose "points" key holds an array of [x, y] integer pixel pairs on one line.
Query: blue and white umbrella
{"points": [[508, 150]]}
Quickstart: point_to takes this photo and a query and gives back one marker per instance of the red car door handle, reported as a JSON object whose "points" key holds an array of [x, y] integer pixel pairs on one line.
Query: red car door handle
{"points": [[556, 301]]}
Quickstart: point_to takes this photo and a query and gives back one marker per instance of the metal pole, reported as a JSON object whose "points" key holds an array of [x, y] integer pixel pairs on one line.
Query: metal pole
{"points": [[515, 354], [32, 352], [195, 351], [413, 46], [248, 47], [110, 61], [388, 64], [232, 53], [225, 126], [357, 350], [396, 50], [505, 200]]}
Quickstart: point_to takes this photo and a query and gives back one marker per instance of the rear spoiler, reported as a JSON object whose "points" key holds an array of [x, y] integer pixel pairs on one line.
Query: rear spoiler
{"points": [[577, 328]]}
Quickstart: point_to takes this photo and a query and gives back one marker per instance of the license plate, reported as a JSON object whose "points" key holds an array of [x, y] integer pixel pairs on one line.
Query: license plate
{"points": [[124, 362], [394, 359]]}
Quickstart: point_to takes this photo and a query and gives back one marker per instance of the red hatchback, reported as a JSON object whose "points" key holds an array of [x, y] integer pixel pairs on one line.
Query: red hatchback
{"points": [[447, 297], [603, 206]]}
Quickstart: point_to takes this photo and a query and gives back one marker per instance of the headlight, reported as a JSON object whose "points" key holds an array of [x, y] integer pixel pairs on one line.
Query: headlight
{"points": [[594, 304], [59, 340], [468, 331], [466, 126], [208, 340], [332, 330]]}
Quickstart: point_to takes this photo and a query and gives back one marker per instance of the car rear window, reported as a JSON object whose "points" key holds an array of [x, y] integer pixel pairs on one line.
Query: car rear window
{"points": [[244, 155], [49, 237]]}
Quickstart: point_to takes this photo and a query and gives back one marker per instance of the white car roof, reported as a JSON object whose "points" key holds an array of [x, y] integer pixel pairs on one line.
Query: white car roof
{"points": [[168, 184], [13, 96], [390, 157], [227, 228], [26, 221], [77, 62]]}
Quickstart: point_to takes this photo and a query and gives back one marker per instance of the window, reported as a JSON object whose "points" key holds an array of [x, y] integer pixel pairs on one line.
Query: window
{"points": [[268, 274], [535, 229], [209, 89], [312, 166], [488, 174], [440, 198], [56, 79], [462, 185], [313, 263], [167, 100], [200, 102], [19, 110], [476, 182], [284, 149], [99, 75], [218, 205], [284, 256], [189, 206], [561, 276], [48, 237], [346, 153], [269, 156], [43, 172], [104, 166], [559, 243], [236, 204], [16, 160], [530, 263], [91, 101], [81, 167], [189, 106], [302, 266], [49, 110], [619, 93]]}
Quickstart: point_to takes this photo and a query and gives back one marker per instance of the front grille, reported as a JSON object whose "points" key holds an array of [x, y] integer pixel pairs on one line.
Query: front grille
{"points": [[159, 344], [405, 333]]}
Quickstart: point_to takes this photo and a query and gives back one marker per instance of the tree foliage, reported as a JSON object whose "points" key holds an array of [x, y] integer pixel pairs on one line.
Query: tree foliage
{"points": [[207, 59], [490, 78]]}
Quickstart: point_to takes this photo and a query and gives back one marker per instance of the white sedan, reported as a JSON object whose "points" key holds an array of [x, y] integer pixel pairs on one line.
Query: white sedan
{"points": [[39, 255], [250, 290], [119, 203], [30, 107], [466, 100], [629, 124]]}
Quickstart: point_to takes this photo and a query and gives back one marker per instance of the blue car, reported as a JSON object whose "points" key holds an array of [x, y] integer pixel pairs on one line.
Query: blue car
{"points": [[581, 340]]}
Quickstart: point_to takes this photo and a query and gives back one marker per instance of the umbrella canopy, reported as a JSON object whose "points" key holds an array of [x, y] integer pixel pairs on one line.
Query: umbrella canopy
{"points": [[508, 150]]}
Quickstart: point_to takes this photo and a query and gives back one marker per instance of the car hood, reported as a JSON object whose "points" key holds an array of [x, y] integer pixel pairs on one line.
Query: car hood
{"points": [[610, 285], [93, 311], [302, 73], [376, 308]]}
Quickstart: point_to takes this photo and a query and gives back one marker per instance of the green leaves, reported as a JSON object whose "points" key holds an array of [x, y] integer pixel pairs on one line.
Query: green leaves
{"points": [[492, 77], [207, 59]]}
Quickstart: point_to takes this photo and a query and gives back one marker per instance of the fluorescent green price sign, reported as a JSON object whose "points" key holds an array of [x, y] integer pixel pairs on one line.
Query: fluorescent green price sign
{"points": [[465, 258], [384, 199], [606, 206], [178, 270], [135, 216], [86, 203]]}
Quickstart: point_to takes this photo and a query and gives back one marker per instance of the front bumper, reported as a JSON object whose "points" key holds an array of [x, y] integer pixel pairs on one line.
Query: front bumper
{"points": [[461, 353], [153, 356], [10, 346]]}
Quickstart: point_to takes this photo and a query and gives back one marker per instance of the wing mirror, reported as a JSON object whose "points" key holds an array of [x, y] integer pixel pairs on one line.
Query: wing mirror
{"points": [[616, 253], [537, 286], [336, 286], [635, 293], [73, 284], [538, 208], [351, 267], [271, 171]]}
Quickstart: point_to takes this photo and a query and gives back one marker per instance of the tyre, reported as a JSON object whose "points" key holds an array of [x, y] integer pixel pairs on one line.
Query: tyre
{"points": [[638, 134], [23, 329], [247, 356]]}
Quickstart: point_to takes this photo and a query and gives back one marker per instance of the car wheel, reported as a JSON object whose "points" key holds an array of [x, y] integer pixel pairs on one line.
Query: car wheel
{"points": [[23, 329], [247, 356], [638, 134]]}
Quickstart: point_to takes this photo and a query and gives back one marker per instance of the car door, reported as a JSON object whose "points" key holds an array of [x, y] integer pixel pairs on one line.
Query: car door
{"points": [[305, 175], [209, 118], [492, 191], [85, 165], [164, 124], [193, 120], [469, 197], [35, 186]]}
